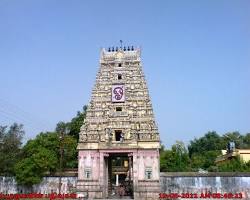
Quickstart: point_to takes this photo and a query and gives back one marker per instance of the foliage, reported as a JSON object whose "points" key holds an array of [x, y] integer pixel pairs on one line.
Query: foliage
{"points": [[74, 125], [10, 147], [236, 137], [210, 141], [77, 122], [234, 165], [176, 159], [208, 159], [202, 153], [38, 157], [30, 170], [70, 152], [41, 156], [246, 141]]}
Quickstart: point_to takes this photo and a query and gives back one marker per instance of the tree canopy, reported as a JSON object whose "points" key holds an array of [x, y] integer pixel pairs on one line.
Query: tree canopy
{"points": [[74, 125], [10, 147], [176, 159], [202, 152], [41, 155]]}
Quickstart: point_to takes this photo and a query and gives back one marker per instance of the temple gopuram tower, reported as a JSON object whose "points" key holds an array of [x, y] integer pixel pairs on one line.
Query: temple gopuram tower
{"points": [[118, 149]]}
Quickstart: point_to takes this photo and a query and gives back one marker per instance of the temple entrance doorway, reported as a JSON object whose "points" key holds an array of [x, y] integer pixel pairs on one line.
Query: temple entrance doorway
{"points": [[120, 180]]}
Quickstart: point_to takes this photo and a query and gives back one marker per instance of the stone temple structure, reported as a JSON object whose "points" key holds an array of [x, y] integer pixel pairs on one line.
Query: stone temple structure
{"points": [[119, 140]]}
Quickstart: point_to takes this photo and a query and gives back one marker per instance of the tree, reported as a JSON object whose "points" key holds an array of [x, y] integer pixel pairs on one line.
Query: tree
{"points": [[62, 127], [204, 151], [70, 152], [246, 141], [234, 165], [210, 141], [30, 170], [10, 147], [235, 137], [197, 162], [176, 159], [77, 122], [209, 158], [167, 161], [68, 145], [41, 156], [74, 125]]}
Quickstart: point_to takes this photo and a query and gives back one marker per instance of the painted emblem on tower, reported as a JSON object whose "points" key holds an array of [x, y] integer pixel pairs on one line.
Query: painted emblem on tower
{"points": [[118, 93]]}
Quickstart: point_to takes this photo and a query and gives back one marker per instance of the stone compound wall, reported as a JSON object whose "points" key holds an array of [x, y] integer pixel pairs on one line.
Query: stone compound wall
{"points": [[48, 185], [198, 183], [170, 183]]}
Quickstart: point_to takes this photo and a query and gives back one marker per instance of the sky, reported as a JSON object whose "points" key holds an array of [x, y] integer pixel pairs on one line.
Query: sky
{"points": [[196, 59]]}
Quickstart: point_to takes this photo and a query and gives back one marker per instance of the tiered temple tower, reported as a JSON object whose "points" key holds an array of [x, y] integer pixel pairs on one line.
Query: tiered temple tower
{"points": [[119, 140]]}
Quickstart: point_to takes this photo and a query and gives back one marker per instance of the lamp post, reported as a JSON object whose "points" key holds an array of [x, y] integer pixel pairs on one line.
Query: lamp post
{"points": [[63, 131]]}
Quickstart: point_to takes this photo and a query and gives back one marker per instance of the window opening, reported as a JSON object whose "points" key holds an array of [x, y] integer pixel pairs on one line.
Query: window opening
{"points": [[119, 136], [148, 173], [87, 173], [118, 109]]}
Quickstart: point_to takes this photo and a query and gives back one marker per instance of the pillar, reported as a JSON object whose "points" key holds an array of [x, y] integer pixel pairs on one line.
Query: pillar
{"points": [[117, 180]]}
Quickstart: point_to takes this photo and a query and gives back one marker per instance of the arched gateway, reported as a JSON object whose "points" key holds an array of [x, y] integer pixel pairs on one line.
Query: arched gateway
{"points": [[119, 140]]}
